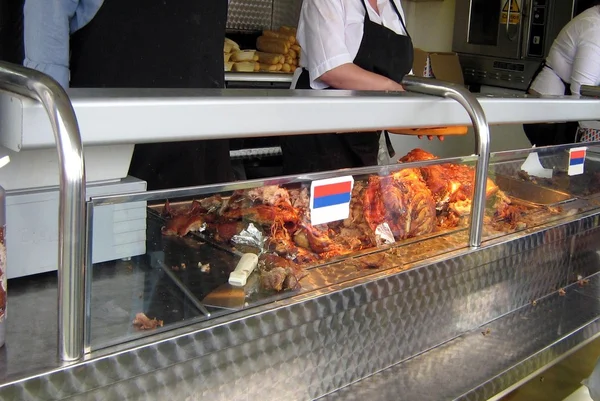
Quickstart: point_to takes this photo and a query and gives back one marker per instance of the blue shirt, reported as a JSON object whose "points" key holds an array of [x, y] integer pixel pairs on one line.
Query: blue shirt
{"points": [[48, 25]]}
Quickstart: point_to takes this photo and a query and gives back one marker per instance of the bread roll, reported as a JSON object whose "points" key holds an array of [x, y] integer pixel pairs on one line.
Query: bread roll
{"points": [[279, 35], [279, 67], [295, 48], [229, 66], [243, 55], [288, 30], [272, 45], [289, 60], [234, 46], [269, 58], [227, 47], [286, 68], [292, 53], [226, 57], [245, 66]]}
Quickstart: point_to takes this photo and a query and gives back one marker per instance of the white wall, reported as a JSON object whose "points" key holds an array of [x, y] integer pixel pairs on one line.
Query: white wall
{"points": [[430, 24]]}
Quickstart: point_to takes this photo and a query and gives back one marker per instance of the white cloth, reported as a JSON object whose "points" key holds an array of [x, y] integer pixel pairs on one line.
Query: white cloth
{"points": [[330, 32], [575, 58]]}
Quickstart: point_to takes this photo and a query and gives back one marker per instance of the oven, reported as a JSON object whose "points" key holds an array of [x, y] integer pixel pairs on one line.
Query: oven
{"points": [[502, 42]]}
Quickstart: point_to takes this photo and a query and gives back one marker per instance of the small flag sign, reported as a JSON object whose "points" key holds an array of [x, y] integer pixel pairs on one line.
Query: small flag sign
{"points": [[576, 161], [330, 199]]}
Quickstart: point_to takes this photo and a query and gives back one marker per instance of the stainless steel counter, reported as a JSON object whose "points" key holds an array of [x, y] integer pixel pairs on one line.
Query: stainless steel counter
{"points": [[425, 321]]}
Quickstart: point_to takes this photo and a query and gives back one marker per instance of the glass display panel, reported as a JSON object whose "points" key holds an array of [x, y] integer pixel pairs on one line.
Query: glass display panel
{"points": [[484, 19], [179, 248], [541, 186]]}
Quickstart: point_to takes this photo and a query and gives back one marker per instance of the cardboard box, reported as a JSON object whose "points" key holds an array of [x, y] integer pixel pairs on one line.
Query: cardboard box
{"points": [[442, 66]]}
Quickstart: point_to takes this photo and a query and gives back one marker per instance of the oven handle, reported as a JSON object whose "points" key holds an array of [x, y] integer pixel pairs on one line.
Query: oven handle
{"points": [[508, 12]]}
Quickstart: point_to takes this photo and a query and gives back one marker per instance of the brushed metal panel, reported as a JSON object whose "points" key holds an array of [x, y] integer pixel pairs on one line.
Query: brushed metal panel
{"points": [[513, 348], [249, 14], [255, 15], [286, 12]]}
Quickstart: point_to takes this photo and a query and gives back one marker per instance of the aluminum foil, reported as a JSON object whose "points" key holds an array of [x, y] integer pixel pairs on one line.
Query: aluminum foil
{"points": [[250, 236], [384, 235]]}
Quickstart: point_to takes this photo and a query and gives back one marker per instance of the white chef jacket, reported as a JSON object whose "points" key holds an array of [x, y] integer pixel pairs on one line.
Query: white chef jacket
{"points": [[330, 32], [574, 56]]}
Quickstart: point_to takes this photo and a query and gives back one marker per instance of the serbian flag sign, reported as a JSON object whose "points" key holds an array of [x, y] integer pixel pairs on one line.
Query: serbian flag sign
{"points": [[576, 161], [330, 199]]}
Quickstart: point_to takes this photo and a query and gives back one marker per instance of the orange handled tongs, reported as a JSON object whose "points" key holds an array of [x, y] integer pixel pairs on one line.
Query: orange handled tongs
{"points": [[434, 131]]}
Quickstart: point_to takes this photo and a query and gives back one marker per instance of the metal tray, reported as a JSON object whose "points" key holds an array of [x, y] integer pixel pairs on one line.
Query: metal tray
{"points": [[584, 186], [531, 193], [182, 255]]}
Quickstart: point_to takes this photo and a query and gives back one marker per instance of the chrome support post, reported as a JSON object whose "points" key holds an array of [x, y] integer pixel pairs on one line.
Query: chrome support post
{"points": [[71, 226], [434, 87]]}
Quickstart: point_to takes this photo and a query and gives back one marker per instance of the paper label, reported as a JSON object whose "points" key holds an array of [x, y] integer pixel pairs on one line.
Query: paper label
{"points": [[330, 199], [576, 161]]}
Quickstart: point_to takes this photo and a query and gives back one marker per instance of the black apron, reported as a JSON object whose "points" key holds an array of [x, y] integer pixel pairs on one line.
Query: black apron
{"points": [[159, 44], [381, 51], [541, 134]]}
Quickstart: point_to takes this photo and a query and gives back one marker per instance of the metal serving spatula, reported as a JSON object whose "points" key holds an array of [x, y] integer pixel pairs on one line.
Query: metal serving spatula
{"points": [[231, 295]]}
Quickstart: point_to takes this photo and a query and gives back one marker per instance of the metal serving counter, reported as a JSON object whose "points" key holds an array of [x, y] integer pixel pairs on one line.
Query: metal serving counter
{"points": [[459, 326], [462, 314]]}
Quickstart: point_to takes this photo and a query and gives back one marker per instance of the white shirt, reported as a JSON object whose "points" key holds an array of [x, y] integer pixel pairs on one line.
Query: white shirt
{"points": [[330, 32], [574, 56]]}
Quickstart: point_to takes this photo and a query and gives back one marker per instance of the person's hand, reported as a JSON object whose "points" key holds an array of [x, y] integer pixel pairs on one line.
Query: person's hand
{"points": [[394, 86], [430, 137]]}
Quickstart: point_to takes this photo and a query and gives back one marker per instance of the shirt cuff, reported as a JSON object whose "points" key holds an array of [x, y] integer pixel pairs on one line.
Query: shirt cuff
{"points": [[327, 65], [59, 72]]}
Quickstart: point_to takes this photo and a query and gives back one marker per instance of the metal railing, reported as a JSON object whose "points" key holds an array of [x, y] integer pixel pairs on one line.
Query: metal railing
{"points": [[459, 93], [71, 226]]}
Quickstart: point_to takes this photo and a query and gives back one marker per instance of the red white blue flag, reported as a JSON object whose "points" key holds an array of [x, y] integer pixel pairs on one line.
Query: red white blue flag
{"points": [[330, 199], [576, 160]]}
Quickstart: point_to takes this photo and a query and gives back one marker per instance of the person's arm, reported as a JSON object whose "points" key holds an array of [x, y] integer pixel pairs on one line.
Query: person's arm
{"points": [[322, 39], [586, 65], [352, 77], [46, 36]]}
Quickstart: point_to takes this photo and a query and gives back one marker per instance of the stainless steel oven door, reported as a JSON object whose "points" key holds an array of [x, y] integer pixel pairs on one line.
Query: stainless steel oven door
{"points": [[490, 27]]}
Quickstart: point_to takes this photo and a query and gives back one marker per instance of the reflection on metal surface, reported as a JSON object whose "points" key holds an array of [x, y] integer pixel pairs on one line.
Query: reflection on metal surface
{"points": [[482, 136], [71, 246]]}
